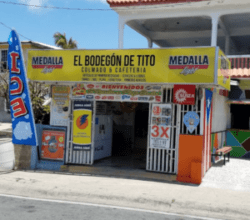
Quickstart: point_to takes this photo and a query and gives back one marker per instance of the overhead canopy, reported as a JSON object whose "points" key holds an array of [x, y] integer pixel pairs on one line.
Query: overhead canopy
{"points": [[201, 65], [188, 23]]}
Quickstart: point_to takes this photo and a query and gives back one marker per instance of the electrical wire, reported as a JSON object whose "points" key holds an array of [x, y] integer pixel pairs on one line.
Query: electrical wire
{"points": [[54, 7], [86, 9], [12, 29]]}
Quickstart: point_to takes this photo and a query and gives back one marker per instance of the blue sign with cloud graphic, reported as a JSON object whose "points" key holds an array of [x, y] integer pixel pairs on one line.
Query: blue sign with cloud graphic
{"points": [[23, 125]]}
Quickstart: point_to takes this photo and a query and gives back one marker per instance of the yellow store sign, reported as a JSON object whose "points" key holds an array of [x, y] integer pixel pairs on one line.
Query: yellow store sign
{"points": [[175, 66]]}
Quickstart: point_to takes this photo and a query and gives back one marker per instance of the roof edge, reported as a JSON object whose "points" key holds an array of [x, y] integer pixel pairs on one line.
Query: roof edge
{"points": [[126, 3]]}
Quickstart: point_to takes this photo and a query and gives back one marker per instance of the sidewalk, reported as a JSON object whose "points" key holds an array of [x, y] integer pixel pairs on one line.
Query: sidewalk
{"points": [[159, 196], [6, 129]]}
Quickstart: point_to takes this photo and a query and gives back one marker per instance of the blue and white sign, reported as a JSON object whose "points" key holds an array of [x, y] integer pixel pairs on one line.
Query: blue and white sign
{"points": [[23, 125], [209, 95], [191, 120]]}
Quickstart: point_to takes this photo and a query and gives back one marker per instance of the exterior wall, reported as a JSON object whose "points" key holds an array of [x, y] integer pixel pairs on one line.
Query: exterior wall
{"points": [[22, 156], [239, 140], [35, 161], [221, 113], [218, 140], [190, 159]]}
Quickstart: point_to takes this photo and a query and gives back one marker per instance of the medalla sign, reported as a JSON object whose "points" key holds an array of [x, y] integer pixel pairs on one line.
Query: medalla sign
{"points": [[181, 65]]}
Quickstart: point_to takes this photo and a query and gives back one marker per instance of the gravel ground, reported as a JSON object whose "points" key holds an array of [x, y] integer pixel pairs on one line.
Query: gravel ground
{"points": [[235, 175]]}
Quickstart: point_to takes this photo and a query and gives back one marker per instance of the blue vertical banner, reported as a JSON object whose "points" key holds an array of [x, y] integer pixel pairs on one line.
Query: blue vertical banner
{"points": [[209, 95], [23, 125]]}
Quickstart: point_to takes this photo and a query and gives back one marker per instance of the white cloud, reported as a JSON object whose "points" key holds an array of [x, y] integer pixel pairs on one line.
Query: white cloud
{"points": [[22, 131], [23, 95], [35, 3], [102, 1]]}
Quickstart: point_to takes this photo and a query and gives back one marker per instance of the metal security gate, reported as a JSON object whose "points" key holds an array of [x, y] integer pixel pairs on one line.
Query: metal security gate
{"points": [[79, 156], [165, 160]]}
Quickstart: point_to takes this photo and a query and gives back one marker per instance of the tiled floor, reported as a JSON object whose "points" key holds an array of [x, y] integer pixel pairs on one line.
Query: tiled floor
{"points": [[136, 160]]}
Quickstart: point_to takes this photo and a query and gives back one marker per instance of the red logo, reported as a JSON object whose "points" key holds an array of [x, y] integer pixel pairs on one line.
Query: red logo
{"points": [[184, 94], [157, 110], [111, 97], [158, 98], [90, 86], [104, 97], [133, 98], [97, 97]]}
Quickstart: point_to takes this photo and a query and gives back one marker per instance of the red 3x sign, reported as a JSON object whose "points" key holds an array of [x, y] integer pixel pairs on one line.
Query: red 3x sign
{"points": [[160, 131]]}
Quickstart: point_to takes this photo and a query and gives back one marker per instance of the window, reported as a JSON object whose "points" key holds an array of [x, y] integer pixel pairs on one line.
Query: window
{"points": [[3, 59]]}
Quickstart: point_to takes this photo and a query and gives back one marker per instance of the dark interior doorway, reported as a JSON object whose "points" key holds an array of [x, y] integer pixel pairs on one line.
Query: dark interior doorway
{"points": [[240, 116], [129, 142]]}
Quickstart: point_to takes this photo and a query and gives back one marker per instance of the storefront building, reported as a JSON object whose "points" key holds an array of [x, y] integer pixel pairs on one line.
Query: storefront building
{"points": [[117, 102], [167, 107]]}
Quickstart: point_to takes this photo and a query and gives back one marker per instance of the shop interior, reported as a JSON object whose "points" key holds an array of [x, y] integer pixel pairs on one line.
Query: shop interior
{"points": [[240, 112], [126, 128]]}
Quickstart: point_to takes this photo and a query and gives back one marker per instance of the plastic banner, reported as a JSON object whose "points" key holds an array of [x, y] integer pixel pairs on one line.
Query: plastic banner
{"points": [[53, 144], [23, 125], [59, 111], [175, 65], [209, 96], [82, 125], [121, 92], [161, 120]]}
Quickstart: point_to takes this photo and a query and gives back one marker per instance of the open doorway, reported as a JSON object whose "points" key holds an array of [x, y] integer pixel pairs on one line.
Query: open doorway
{"points": [[129, 135]]}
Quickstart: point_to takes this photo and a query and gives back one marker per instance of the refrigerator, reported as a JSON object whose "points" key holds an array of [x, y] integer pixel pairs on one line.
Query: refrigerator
{"points": [[103, 136]]}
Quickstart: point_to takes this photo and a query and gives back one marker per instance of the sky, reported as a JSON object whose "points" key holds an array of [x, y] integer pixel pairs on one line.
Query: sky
{"points": [[91, 29]]}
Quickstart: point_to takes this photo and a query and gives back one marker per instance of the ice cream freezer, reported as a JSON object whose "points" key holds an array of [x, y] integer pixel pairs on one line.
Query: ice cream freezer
{"points": [[103, 136]]}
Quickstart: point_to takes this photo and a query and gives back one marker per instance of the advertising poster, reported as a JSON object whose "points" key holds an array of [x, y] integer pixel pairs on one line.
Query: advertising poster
{"points": [[184, 94], [144, 66], [23, 124], [161, 120], [82, 125], [121, 92], [53, 144], [59, 106]]}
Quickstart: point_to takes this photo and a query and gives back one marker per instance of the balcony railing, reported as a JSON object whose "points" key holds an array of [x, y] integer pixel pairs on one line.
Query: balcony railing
{"points": [[240, 66]]}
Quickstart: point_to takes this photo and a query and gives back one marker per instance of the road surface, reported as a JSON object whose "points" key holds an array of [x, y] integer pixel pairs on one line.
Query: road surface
{"points": [[14, 207]]}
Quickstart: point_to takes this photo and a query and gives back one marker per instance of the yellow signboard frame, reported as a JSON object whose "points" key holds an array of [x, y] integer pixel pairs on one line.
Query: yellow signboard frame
{"points": [[141, 66]]}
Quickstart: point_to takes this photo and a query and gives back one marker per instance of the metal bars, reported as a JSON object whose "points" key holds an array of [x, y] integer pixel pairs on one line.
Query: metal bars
{"points": [[80, 156], [196, 108], [165, 160]]}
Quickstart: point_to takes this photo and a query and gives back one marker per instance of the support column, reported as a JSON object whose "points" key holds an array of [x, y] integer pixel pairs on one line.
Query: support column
{"points": [[121, 33], [227, 45], [150, 43], [215, 20]]}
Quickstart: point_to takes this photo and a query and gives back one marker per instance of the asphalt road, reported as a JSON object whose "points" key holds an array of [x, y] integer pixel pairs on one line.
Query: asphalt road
{"points": [[12, 208]]}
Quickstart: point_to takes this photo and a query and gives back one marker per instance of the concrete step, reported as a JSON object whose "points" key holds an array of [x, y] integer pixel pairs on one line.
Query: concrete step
{"points": [[118, 172]]}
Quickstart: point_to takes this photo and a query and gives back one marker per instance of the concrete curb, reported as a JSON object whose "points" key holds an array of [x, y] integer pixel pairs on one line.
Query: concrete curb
{"points": [[5, 133], [183, 199]]}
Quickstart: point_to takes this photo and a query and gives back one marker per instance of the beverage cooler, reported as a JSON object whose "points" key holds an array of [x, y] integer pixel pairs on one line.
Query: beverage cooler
{"points": [[103, 136]]}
